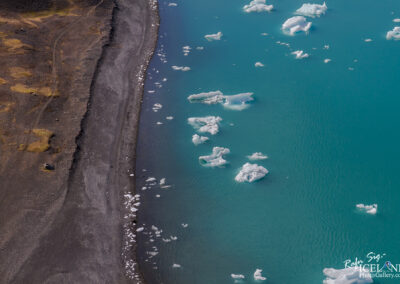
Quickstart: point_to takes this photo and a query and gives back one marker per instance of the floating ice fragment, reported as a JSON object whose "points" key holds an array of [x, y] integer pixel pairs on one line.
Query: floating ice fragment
{"points": [[327, 60], [296, 24], [250, 173], [257, 275], [326, 46], [258, 6], [181, 68], [258, 64], [212, 37], [208, 124], [300, 54], [200, 47], [151, 179], [393, 34], [197, 139], [172, 4], [396, 20], [184, 225], [169, 118], [368, 40], [257, 156], [233, 102], [157, 107], [350, 275], [215, 159], [237, 276], [186, 50], [162, 181], [312, 10], [370, 209], [139, 229], [175, 265]]}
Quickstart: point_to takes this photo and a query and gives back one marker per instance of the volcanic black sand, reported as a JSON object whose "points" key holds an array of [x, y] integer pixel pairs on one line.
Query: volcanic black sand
{"points": [[70, 93]]}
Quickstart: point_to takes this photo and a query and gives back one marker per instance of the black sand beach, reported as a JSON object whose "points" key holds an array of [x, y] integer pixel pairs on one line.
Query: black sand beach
{"points": [[71, 231]]}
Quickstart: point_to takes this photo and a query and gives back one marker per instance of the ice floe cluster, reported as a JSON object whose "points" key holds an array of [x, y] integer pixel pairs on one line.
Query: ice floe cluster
{"points": [[212, 37], [312, 10], [257, 276], [369, 209], [205, 124], [257, 156], [197, 139], [300, 54], [350, 275], [234, 102], [393, 34], [296, 24], [257, 6], [215, 159], [250, 173]]}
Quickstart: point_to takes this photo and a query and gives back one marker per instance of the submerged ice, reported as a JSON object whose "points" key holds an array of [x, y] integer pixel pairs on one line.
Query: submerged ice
{"points": [[312, 10], [296, 24], [257, 6], [215, 159], [250, 173], [208, 124], [233, 102]]}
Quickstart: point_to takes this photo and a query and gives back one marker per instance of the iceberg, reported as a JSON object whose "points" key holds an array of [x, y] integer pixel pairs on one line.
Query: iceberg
{"points": [[250, 173], [181, 68], [300, 54], [258, 64], [215, 159], [370, 209], [197, 139], [327, 60], [258, 6], [350, 275], [233, 102], [257, 156], [257, 275], [296, 24], [212, 37], [393, 34], [312, 10], [208, 124], [237, 276]]}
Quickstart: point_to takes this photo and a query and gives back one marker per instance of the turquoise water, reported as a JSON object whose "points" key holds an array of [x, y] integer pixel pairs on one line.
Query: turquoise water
{"points": [[331, 134]]}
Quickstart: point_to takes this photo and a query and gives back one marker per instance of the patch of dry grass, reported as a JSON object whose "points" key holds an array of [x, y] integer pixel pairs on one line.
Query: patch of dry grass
{"points": [[6, 106], [42, 144], [19, 73], [13, 44], [3, 81], [43, 91]]}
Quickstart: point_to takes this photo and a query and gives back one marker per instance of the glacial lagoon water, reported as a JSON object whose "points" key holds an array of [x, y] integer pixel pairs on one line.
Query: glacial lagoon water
{"points": [[330, 130]]}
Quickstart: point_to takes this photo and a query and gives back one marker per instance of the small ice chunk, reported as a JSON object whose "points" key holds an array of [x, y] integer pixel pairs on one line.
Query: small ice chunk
{"points": [[257, 156], [349, 275], [197, 139], [257, 275], [370, 209], [172, 4], [393, 34], [212, 97], [296, 24], [250, 173], [258, 6], [397, 20], [140, 229], [169, 118], [237, 276], [208, 124], [233, 102], [212, 37], [312, 10], [175, 265], [186, 50], [258, 64], [327, 60], [300, 54], [368, 40], [181, 68], [162, 181], [157, 107], [151, 179], [215, 159], [184, 225]]}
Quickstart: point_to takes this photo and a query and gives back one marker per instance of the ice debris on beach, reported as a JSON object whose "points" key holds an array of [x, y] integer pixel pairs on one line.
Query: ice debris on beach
{"points": [[181, 68], [257, 275], [393, 34], [197, 139], [296, 24], [233, 102], [258, 64], [369, 209], [208, 124], [212, 37], [215, 159], [312, 10], [250, 173], [257, 156], [349, 275], [258, 6], [300, 54]]}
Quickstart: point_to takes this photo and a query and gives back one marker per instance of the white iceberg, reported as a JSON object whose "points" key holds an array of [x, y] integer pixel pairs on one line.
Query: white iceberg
{"points": [[181, 68], [172, 4], [197, 139], [257, 275], [370, 209], [216, 36], [257, 156], [237, 276], [312, 10], [215, 159], [397, 20], [300, 54], [250, 173], [258, 64], [233, 102], [258, 6], [296, 24], [393, 34], [175, 265], [350, 275], [327, 60], [208, 124]]}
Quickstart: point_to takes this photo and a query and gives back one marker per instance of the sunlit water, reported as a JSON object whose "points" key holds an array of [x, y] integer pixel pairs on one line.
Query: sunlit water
{"points": [[330, 130]]}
